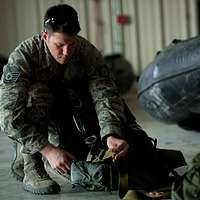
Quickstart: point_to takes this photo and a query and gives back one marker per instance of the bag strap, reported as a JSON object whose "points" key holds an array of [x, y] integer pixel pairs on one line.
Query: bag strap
{"points": [[100, 156], [123, 177]]}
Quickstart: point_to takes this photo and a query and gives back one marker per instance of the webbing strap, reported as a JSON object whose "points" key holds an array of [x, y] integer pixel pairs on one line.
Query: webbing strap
{"points": [[123, 177], [103, 154], [123, 174], [131, 195]]}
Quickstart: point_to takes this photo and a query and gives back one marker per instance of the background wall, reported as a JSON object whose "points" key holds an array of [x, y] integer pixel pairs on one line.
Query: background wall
{"points": [[149, 25]]}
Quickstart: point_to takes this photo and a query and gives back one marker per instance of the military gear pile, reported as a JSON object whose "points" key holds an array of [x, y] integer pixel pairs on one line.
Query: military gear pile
{"points": [[145, 172]]}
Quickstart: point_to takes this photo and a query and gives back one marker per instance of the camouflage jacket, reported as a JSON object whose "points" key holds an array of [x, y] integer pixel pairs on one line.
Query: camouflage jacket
{"points": [[31, 62]]}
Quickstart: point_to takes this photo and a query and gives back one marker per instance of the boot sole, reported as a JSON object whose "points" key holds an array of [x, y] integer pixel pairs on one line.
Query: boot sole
{"points": [[55, 189]]}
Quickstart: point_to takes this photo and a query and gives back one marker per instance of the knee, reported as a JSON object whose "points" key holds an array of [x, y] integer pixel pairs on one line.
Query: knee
{"points": [[39, 103]]}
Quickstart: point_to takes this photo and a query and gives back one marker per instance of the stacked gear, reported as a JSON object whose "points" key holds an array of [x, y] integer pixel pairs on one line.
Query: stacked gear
{"points": [[143, 173], [132, 179]]}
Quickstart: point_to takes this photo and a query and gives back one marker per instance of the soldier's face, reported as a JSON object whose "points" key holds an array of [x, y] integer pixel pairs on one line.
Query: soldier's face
{"points": [[60, 46]]}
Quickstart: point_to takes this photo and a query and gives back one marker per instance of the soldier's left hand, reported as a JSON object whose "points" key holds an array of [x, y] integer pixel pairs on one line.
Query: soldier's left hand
{"points": [[118, 146]]}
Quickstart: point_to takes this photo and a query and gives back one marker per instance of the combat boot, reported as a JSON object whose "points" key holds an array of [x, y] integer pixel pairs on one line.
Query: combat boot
{"points": [[17, 165], [36, 179]]}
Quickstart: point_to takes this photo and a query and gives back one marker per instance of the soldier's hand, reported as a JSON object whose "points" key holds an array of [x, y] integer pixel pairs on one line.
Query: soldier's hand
{"points": [[118, 146], [58, 158]]}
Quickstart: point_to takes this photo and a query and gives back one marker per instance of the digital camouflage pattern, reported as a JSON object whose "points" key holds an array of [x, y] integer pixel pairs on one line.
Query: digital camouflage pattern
{"points": [[31, 63]]}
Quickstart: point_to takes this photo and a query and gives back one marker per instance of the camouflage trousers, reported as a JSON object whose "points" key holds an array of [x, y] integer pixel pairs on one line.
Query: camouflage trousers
{"points": [[49, 105]]}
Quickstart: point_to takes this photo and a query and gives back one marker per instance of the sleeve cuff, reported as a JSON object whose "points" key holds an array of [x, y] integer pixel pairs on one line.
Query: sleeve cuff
{"points": [[110, 131], [35, 147]]}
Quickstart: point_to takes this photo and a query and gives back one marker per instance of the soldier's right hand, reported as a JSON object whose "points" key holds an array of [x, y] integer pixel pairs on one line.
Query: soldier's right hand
{"points": [[118, 146], [58, 158]]}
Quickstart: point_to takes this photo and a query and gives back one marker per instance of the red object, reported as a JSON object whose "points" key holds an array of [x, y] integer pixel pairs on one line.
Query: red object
{"points": [[123, 19]]}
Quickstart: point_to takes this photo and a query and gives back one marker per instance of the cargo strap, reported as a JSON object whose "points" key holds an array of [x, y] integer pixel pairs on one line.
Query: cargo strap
{"points": [[101, 155], [123, 178]]}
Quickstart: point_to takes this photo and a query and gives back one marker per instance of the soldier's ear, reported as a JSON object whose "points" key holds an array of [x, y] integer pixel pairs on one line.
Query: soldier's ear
{"points": [[44, 35]]}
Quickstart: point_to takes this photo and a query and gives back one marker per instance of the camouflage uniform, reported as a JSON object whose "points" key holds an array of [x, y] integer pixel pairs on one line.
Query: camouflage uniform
{"points": [[37, 93], [31, 68]]}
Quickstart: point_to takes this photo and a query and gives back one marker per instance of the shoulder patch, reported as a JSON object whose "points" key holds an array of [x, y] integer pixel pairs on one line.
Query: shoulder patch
{"points": [[11, 73]]}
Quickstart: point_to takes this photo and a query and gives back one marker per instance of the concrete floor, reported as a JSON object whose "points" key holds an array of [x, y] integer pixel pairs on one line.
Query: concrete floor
{"points": [[169, 136]]}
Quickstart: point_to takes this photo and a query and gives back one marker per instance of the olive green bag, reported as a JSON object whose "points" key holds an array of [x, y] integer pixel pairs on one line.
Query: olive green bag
{"points": [[187, 187], [99, 176]]}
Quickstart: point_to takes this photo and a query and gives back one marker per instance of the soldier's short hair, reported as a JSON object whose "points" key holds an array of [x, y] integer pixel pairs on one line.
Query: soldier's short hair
{"points": [[62, 18]]}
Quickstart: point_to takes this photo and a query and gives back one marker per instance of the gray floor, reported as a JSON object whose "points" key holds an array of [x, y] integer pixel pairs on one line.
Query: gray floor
{"points": [[169, 136]]}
